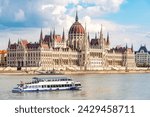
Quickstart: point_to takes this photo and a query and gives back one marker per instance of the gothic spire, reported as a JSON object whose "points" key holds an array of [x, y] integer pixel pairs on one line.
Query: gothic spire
{"points": [[54, 34], [101, 29], [85, 27], [76, 19], [9, 43], [132, 47], [49, 39], [101, 32], [95, 36], [126, 46], [41, 35], [18, 41], [63, 36], [108, 38], [51, 35]]}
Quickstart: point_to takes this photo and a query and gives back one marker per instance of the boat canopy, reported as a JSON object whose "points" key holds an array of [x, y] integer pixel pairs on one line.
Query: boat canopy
{"points": [[52, 79]]}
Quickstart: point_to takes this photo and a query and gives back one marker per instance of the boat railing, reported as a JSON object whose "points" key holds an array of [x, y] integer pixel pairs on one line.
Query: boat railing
{"points": [[43, 80]]}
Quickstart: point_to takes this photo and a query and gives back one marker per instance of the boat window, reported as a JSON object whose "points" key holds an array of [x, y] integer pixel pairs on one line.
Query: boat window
{"points": [[60, 85], [67, 85], [77, 84], [43, 86], [38, 86], [48, 86]]}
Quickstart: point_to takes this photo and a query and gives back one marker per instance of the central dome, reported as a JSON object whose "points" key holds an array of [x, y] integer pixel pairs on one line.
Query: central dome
{"points": [[76, 27]]}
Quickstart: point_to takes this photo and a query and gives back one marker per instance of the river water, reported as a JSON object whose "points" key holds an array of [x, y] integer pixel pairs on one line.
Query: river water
{"points": [[94, 86]]}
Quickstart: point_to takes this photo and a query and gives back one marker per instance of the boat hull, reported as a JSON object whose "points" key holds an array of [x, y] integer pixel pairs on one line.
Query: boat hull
{"points": [[19, 90]]}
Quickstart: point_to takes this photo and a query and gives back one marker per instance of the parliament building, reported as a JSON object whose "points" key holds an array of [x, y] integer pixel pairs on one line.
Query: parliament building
{"points": [[77, 51]]}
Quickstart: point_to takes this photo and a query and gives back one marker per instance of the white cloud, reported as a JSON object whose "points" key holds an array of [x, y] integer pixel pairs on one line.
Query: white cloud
{"points": [[54, 14], [147, 35], [119, 34], [100, 7], [19, 16], [55, 10]]}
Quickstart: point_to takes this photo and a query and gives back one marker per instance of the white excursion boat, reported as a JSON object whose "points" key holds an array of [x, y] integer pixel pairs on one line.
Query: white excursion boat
{"points": [[47, 84]]}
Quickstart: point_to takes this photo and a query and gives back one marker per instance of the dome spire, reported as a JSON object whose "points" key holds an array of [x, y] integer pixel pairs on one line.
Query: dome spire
{"points": [[76, 19]]}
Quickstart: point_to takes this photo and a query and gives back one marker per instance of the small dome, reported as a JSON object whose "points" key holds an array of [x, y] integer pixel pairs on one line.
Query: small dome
{"points": [[76, 28]]}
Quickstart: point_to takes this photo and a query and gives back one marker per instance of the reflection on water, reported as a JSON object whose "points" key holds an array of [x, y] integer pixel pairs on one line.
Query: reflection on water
{"points": [[95, 86]]}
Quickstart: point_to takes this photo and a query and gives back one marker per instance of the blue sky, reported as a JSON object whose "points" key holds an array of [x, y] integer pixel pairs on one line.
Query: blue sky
{"points": [[127, 21], [132, 12]]}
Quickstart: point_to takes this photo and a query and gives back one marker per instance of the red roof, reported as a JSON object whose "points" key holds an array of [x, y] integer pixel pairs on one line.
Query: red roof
{"points": [[76, 28], [58, 38], [45, 46], [24, 42]]}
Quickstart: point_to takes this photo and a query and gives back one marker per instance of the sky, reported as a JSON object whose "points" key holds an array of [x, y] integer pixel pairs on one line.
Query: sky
{"points": [[127, 21]]}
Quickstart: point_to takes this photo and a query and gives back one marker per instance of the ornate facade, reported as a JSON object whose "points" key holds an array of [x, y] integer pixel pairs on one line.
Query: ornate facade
{"points": [[142, 57], [75, 52]]}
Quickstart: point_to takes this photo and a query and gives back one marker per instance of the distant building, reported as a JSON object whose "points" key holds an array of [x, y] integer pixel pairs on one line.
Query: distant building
{"points": [[142, 57], [3, 55], [77, 51]]}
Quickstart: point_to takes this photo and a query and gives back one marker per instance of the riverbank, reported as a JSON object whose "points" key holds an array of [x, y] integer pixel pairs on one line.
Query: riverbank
{"points": [[76, 72], [107, 72]]}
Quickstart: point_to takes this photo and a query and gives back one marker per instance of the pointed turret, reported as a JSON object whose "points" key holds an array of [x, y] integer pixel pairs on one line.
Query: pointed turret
{"points": [[41, 37], [9, 43], [54, 34], [95, 35], [132, 47], [76, 19], [49, 39], [108, 39], [101, 32], [63, 36], [51, 35], [18, 41], [85, 28], [126, 46]]}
